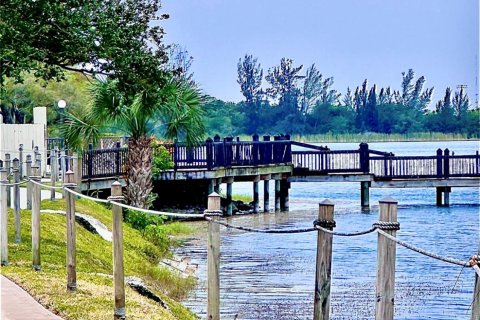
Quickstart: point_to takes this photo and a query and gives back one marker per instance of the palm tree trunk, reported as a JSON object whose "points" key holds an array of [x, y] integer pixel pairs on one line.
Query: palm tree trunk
{"points": [[139, 172]]}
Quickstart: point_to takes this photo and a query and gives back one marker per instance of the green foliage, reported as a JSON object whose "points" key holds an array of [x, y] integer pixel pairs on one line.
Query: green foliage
{"points": [[157, 236], [141, 221], [162, 160]]}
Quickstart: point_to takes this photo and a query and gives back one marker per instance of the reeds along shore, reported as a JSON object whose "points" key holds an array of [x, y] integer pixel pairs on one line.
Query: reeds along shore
{"points": [[382, 137]]}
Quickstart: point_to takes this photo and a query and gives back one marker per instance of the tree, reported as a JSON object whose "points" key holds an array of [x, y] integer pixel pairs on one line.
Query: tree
{"points": [[250, 76], [315, 89], [175, 108], [413, 96], [283, 81], [460, 104], [112, 37]]}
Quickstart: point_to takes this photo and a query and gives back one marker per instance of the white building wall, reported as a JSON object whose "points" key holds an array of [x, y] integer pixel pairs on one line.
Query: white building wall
{"points": [[30, 135]]}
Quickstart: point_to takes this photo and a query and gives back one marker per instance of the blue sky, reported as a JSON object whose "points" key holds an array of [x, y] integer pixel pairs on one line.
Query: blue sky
{"points": [[348, 39]]}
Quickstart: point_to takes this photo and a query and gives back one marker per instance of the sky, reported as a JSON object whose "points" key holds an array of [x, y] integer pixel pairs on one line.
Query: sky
{"points": [[350, 40]]}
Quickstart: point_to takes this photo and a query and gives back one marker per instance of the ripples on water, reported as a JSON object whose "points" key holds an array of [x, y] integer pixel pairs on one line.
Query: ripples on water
{"points": [[266, 276]]}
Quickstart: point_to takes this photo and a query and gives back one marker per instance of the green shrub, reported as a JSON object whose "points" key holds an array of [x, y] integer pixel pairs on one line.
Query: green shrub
{"points": [[140, 220], [162, 160], [158, 236]]}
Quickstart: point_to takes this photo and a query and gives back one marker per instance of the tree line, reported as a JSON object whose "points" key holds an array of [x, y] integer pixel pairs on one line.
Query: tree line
{"points": [[284, 99]]}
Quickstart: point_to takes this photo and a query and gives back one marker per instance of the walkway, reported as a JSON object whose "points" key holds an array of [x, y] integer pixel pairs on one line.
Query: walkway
{"points": [[17, 304]]}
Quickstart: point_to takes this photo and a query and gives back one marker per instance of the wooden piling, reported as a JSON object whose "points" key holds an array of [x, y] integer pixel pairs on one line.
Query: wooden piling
{"points": [[446, 196], [266, 195], [256, 194], [439, 191], [323, 274], [20, 158], [229, 196], [365, 194], [16, 200], [277, 195], [386, 253], [71, 238], [284, 198], [476, 295], [35, 201], [118, 272], [29, 185], [3, 217], [213, 258]]}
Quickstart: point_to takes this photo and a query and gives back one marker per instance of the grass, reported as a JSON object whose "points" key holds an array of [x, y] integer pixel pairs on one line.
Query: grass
{"points": [[94, 296], [245, 198], [374, 137], [379, 137]]}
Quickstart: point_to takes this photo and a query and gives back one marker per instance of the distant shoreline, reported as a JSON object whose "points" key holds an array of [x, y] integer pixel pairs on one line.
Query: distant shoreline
{"points": [[378, 137]]}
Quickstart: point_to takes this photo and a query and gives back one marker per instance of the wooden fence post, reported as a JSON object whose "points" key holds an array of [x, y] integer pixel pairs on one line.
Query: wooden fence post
{"points": [[4, 216], [8, 166], [53, 174], [29, 185], [213, 257], [16, 200], [476, 294], [35, 201], [323, 274], [386, 252], [446, 164], [20, 158], [118, 272], [71, 241]]}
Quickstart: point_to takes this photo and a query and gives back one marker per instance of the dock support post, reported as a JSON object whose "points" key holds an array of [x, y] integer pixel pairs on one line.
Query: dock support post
{"points": [[229, 196], [16, 200], [211, 186], [277, 195], [71, 237], [256, 196], [439, 191], [386, 252], [266, 194], [365, 194], [323, 274], [117, 233], [29, 185], [4, 216], [446, 196], [213, 257], [20, 158], [284, 199]]}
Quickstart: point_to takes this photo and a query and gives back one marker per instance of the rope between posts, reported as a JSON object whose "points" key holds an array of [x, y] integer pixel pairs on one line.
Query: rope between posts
{"points": [[44, 185], [13, 183], [424, 252], [346, 234], [81, 195], [277, 231], [160, 213]]}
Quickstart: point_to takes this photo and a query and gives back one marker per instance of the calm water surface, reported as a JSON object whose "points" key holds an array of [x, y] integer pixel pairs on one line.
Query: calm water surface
{"points": [[266, 276]]}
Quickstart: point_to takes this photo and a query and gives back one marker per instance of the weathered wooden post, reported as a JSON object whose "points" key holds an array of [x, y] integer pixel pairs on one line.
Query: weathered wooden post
{"points": [[386, 253], [209, 153], [118, 272], [38, 159], [229, 196], [8, 166], [277, 194], [4, 216], [20, 158], [35, 201], [29, 185], [213, 257], [284, 198], [71, 240], [446, 163], [117, 159], [256, 194], [16, 199], [364, 157], [323, 274], [476, 293], [266, 194], [77, 169], [53, 174], [365, 194], [255, 150]]}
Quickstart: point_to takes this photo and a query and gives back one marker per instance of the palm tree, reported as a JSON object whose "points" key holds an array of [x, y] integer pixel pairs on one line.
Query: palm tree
{"points": [[174, 110]]}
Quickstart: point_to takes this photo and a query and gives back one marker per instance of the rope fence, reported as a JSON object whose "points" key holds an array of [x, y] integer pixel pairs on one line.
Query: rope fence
{"points": [[386, 228]]}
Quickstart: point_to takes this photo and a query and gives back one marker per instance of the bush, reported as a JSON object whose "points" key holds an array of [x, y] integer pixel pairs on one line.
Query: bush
{"points": [[140, 220], [162, 160], [158, 236]]}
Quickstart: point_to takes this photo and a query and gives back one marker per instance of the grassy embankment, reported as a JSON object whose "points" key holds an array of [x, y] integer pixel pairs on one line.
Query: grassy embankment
{"points": [[94, 296], [375, 137]]}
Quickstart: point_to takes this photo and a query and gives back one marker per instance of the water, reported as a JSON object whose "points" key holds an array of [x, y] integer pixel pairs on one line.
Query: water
{"points": [[265, 276]]}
